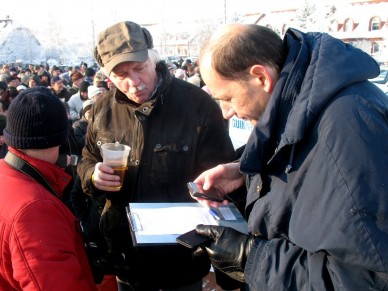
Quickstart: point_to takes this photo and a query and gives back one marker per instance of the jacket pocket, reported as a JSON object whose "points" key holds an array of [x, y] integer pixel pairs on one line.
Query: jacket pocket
{"points": [[170, 161]]}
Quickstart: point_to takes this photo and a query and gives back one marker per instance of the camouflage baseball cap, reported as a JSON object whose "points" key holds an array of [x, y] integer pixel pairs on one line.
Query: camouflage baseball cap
{"points": [[123, 42]]}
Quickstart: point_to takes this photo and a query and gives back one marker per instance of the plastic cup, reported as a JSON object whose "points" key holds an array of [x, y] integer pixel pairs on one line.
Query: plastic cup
{"points": [[115, 155]]}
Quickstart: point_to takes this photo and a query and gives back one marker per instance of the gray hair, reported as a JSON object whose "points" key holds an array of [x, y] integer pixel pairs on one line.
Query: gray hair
{"points": [[154, 56]]}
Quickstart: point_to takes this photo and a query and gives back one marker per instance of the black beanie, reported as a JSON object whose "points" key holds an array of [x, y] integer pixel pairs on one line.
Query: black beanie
{"points": [[36, 120]]}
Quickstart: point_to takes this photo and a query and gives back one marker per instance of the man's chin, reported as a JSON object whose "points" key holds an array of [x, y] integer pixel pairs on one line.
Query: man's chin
{"points": [[253, 121], [247, 119], [139, 97]]}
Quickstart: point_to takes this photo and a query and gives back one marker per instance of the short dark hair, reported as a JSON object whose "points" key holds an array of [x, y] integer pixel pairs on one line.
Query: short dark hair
{"points": [[90, 72], [84, 86], [237, 50], [35, 78]]}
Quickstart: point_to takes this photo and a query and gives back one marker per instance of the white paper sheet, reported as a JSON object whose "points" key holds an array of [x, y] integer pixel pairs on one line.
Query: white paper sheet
{"points": [[171, 220]]}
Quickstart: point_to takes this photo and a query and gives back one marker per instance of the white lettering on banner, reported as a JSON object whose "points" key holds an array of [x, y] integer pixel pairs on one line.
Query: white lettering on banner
{"points": [[239, 131]]}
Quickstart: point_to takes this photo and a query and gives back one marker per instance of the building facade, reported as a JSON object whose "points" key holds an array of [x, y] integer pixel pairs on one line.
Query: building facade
{"points": [[363, 24]]}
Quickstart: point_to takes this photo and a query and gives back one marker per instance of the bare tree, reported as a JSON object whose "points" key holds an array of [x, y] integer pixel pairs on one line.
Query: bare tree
{"points": [[315, 16], [304, 18]]}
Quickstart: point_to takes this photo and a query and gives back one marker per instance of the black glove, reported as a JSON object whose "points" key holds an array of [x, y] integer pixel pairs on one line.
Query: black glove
{"points": [[229, 251]]}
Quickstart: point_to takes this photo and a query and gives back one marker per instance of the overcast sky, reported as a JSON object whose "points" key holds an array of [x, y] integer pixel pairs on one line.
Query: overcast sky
{"points": [[77, 19], [78, 13]]}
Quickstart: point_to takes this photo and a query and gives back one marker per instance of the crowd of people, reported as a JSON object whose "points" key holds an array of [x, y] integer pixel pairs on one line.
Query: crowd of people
{"points": [[73, 86], [78, 89], [311, 181], [63, 82]]}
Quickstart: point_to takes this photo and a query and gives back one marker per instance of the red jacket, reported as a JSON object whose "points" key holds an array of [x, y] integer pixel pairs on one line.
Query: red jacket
{"points": [[41, 246]]}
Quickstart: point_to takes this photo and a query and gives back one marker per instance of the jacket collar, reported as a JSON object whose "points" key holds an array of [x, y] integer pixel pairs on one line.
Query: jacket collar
{"points": [[56, 176], [309, 80]]}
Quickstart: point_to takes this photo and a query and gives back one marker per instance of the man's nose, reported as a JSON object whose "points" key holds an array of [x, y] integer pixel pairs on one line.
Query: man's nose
{"points": [[133, 80]]}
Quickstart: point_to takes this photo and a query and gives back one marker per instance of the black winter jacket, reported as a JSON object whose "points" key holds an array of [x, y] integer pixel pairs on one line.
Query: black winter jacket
{"points": [[80, 127], [318, 190], [174, 137]]}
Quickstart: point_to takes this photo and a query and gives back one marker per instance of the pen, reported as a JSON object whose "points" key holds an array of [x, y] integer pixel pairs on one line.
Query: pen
{"points": [[214, 213]]}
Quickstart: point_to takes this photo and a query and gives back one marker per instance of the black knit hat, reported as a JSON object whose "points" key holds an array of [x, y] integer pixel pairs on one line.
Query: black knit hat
{"points": [[36, 120]]}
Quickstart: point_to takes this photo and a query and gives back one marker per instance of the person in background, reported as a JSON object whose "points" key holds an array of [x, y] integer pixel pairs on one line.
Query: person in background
{"points": [[38, 70], [315, 164], [180, 74], [180, 62], [83, 67], [99, 76], [3, 92], [45, 79], [12, 81], [86, 209], [89, 75], [196, 79], [4, 72], [42, 246], [55, 71], [76, 79], [3, 146], [81, 125], [21, 88], [76, 101], [33, 81], [175, 131], [69, 155], [65, 76], [188, 67], [172, 68], [94, 93], [24, 76], [13, 72], [102, 85], [19, 69], [7, 97], [59, 90]]}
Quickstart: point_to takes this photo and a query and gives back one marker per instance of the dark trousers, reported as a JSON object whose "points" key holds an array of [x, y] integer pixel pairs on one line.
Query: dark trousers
{"points": [[193, 287]]}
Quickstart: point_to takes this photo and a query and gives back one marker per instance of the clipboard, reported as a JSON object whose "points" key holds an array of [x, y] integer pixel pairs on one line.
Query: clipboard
{"points": [[161, 223]]}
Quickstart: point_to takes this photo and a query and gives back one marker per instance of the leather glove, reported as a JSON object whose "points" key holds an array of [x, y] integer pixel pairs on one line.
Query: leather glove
{"points": [[229, 250]]}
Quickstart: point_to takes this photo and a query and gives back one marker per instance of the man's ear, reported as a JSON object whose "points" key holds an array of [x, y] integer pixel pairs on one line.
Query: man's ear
{"points": [[265, 75]]}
